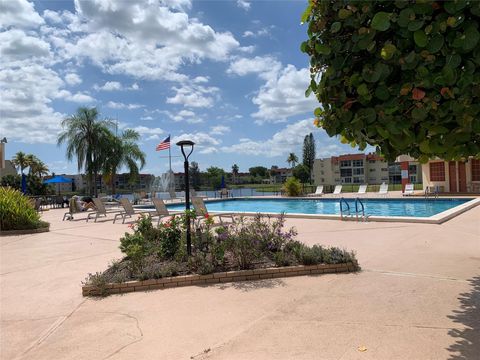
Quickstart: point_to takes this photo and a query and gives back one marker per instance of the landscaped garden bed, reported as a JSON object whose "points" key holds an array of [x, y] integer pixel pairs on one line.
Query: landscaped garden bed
{"points": [[17, 214], [248, 248]]}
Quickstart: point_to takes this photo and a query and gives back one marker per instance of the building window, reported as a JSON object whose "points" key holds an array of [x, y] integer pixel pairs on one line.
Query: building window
{"points": [[345, 163], [412, 168], [345, 172], [413, 179], [437, 171], [475, 170], [346, 180], [357, 180], [384, 169], [357, 163], [358, 171], [371, 161], [372, 170]]}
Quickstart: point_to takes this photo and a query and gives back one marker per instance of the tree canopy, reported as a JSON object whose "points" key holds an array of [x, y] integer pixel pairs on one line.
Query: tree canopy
{"points": [[401, 75]]}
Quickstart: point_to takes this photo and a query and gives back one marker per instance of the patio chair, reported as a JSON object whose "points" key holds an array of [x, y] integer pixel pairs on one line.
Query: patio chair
{"points": [[72, 209], [362, 190], [128, 210], [161, 210], [100, 210], [409, 190], [318, 191], [338, 190], [173, 195], [383, 191], [201, 209]]}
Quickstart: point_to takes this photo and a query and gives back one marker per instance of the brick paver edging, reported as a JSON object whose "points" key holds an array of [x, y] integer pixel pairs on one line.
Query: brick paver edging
{"points": [[221, 277]]}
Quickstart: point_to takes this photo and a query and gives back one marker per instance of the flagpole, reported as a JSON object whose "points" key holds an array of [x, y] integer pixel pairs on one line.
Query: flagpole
{"points": [[172, 178]]}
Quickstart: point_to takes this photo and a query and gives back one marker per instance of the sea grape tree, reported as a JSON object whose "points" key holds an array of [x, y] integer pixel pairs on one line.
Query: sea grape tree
{"points": [[401, 75]]}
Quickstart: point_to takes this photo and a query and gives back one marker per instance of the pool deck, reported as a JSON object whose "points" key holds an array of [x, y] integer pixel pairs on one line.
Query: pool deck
{"points": [[418, 297]]}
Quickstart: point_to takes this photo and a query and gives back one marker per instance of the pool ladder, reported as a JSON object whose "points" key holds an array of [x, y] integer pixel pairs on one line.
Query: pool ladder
{"points": [[347, 214]]}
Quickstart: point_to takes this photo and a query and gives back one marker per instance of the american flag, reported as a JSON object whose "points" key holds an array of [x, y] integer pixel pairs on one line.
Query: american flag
{"points": [[164, 145]]}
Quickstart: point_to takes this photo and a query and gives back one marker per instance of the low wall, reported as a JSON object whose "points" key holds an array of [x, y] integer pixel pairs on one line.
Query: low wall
{"points": [[215, 278]]}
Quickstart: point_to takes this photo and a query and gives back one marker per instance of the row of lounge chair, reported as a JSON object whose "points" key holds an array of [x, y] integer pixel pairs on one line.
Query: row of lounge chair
{"points": [[126, 209], [362, 190]]}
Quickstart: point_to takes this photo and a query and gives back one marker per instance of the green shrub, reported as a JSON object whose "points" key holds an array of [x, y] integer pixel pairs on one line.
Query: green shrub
{"points": [[292, 187], [17, 212], [97, 280]]}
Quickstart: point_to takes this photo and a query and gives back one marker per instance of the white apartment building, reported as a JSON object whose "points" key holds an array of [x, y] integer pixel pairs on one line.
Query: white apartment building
{"points": [[360, 169]]}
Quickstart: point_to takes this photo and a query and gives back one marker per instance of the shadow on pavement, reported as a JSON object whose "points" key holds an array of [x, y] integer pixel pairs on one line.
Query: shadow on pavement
{"points": [[253, 285], [467, 344]]}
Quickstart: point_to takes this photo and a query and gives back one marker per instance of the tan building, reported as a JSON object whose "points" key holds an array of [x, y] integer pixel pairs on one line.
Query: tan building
{"points": [[6, 166], [452, 176], [363, 169]]}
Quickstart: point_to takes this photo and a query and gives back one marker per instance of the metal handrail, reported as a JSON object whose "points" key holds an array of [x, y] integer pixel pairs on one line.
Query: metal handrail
{"points": [[341, 208], [357, 201]]}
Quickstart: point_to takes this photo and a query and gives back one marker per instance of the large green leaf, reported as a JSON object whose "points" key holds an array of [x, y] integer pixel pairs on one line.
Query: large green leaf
{"points": [[381, 21], [420, 38], [435, 44]]}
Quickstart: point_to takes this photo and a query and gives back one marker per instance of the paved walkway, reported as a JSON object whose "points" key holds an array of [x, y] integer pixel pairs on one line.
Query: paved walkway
{"points": [[418, 297]]}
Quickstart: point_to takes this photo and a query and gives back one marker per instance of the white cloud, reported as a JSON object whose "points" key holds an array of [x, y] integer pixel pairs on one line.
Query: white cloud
{"points": [[73, 79], [19, 13], [16, 45], [148, 118], [266, 67], [281, 143], [119, 105], [148, 40], [193, 95], [25, 97], [149, 133], [52, 16], [264, 31], [219, 130], [204, 143], [78, 97], [115, 86], [283, 93], [284, 96], [186, 116], [245, 5]]}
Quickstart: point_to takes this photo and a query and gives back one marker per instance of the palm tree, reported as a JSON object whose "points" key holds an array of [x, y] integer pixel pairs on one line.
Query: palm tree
{"points": [[84, 134], [292, 160], [21, 160], [235, 170], [38, 168], [120, 151]]}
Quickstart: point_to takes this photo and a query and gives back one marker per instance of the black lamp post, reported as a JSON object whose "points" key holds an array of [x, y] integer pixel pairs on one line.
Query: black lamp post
{"points": [[184, 145]]}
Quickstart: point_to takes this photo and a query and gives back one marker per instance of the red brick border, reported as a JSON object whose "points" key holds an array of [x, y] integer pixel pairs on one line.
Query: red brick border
{"points": [[221, 277]]}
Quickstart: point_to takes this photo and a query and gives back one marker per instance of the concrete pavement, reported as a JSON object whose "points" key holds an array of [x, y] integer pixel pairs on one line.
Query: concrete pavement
{"points": [[418, 297]]}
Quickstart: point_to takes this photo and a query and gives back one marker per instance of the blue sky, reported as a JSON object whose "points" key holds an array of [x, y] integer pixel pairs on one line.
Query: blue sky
{"points": [[228, 75]]}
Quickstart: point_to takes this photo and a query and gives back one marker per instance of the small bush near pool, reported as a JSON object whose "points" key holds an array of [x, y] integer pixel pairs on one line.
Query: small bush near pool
{"points": [[258, 242], [17, 212]]}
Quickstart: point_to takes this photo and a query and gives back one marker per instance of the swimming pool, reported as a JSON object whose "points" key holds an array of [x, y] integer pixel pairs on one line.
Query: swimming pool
{"points": [[418, 207]]}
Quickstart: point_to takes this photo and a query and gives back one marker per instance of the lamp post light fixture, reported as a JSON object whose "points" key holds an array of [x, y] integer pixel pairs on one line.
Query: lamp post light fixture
{"points": [[184, 146]]}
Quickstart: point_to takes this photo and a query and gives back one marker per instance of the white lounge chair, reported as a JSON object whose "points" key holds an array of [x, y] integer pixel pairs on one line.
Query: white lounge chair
{"points": [[383, 191], [161, 210], [72, 209], [100, 210], [338, 190], [173, 195], [409, 190], [128, 210], [318, 191], [362, 190], [201, 210]]}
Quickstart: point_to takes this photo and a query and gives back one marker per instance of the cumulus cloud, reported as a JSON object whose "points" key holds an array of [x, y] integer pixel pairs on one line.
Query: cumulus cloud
{"points": [[25, 97], [281, 143], [147, 133], [16, 45], [115, 86], [192, 95], [186, 116], [19, 13], [245, 5], [145, 39], [205, 143], [219, 130], [283, 93], [73, 79], [119, 105]]}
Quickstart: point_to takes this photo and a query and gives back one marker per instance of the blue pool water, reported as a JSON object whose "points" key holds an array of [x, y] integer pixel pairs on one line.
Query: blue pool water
{"points": [[375, 207]]}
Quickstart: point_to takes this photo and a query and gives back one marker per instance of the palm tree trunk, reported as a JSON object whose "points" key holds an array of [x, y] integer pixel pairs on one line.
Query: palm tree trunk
{"points": [[112, 181]]}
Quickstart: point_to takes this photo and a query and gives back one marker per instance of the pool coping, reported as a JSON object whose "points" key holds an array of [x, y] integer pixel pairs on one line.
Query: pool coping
{"points": [[435, 219]]}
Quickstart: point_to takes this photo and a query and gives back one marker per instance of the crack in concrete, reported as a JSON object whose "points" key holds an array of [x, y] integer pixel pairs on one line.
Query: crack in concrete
{"points": [[131, 343], [408, 274], [50, 330]]}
